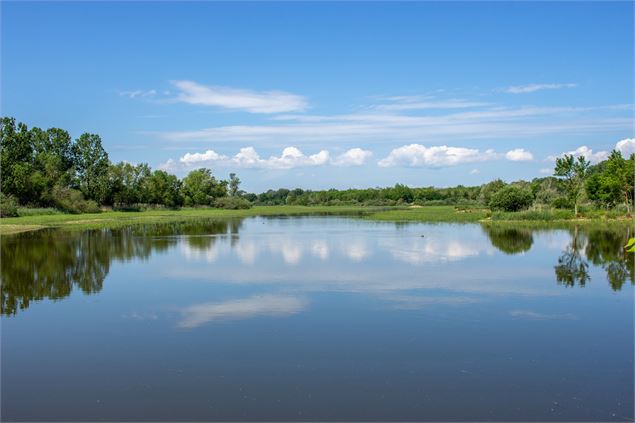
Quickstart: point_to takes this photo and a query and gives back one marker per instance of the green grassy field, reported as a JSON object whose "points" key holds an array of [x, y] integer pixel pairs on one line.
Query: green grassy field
{"points": [[114, 219]]}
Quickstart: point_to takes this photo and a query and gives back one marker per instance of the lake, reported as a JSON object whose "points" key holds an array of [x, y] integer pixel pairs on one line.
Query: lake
{"points": [[318, 318]]}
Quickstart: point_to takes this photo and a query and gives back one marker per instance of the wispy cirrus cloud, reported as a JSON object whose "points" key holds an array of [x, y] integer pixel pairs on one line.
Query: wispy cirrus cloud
{"points": [[138, 93], [266, 102], [404, 103], [380, 126], [530, 88]]}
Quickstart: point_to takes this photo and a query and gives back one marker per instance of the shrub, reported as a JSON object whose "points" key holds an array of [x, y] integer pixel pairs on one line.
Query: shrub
{"points": [[232, 203], [561, 203], [8, 206], [72, 201], [511, 199], [38, 211]]}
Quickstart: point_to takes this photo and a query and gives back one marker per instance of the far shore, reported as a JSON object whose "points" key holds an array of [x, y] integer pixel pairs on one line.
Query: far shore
{"points": [[423, 214]]}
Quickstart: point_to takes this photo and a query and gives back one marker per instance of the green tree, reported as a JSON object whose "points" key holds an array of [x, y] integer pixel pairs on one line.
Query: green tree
{"points": [[511, 198], [613, 183], [164, 189], [91, 163], [574, 172], [234, 184], [201, 188], [16, 160], [489, 189]]}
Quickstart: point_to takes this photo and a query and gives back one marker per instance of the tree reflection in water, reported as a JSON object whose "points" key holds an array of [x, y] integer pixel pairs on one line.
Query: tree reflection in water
{"points": [[510, 240], [49, 264], [603, 247]]}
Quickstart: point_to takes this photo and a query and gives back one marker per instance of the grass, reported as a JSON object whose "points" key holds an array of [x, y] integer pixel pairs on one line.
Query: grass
{"points": [[114, 219], [430, 214]]}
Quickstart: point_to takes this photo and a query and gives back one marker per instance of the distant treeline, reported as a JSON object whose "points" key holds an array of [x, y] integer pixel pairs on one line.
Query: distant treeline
{"points": [[46, 168], [605, 185]]}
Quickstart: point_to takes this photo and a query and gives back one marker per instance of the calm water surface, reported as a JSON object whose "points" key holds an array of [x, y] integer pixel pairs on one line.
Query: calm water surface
{"points": [[317, 319]]}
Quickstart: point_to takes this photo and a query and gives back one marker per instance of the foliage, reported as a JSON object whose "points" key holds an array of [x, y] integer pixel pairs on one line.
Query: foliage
{"points": [[200, 188], [232, 203], [573, 171], [8, 206], [511, 198], [72, 201], [612, 183]]}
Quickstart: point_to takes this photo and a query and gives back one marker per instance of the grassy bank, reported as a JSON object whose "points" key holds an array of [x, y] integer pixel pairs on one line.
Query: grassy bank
{"points": [[114, 219]]}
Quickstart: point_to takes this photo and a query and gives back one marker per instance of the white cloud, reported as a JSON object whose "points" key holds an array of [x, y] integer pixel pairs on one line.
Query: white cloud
{"points": [[138, 93], [519, 155], [523, 89], [487, 123], [239, 99], [402, 103], [247, 157], [418, 155], [585, 152], [626, 146], [208, 156], [546, 170], [475, 172], [266, 305], [352, 157]]}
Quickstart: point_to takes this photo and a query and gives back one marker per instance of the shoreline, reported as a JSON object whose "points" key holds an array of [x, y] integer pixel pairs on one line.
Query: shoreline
{"points": [[425, 214]]}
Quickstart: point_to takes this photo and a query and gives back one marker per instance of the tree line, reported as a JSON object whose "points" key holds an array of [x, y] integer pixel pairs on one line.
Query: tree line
{"points": [[47, 168], [606, 185]]}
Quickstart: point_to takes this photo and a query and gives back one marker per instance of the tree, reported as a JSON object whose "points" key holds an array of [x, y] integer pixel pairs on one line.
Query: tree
{"points": [[164, 188], [489, 189], [16, 160], [91, 161], [574, 172], [234, 184], [512, 198], [201, 188], [613, 182]]}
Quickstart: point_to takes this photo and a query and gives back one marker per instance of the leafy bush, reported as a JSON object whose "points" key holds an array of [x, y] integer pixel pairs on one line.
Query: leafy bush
{"points": [[232, 203], [562, 203], [511, 199], [8, 206], [72, 201]]}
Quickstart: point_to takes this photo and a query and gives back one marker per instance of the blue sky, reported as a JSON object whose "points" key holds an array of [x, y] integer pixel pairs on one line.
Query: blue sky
{"points": [[321, 95]]}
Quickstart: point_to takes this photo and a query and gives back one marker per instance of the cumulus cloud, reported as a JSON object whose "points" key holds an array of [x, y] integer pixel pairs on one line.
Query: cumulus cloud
{"points": [[626, 146], [523, 89], [239, 99], [416, 155], [352, 157], [475, 172], [585, 152], [208, 156], [519, 155], [248, 157]]}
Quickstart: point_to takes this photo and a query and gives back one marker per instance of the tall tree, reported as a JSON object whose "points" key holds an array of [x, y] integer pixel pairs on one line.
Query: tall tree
{"points": [[574, 172], [91, 162], [234, 184], [16, 160]]}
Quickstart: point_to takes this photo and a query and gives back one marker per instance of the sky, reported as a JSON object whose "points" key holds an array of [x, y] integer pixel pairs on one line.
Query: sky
{"points": [[328, 94]]}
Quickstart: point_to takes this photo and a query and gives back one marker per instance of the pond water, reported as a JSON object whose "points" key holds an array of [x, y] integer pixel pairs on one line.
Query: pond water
{"points": [[317, 318]]}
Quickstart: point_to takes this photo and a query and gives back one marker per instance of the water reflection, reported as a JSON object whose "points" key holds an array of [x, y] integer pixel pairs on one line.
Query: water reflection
{"points": [[50, 264], [510, 240]]}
